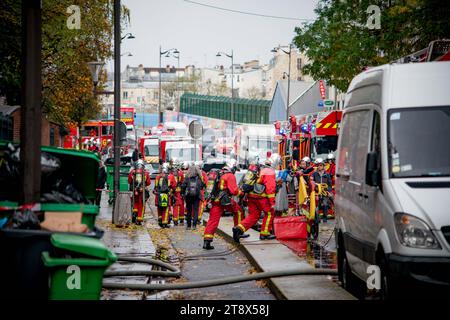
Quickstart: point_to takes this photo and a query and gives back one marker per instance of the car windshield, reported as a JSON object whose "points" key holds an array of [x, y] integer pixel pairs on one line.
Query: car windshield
{"points": [[325, 145], [184, 154], [151, 150], [418, 142]]}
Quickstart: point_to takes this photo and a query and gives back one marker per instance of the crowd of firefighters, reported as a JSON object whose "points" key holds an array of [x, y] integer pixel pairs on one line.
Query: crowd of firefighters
{"points": [[183, 191]]}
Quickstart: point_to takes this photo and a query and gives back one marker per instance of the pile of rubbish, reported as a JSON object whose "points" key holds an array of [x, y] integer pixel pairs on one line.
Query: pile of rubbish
{"points": [[56, 185]]}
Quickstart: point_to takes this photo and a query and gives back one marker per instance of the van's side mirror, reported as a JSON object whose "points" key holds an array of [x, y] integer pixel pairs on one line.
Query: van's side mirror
{"points": [[372, 169]]}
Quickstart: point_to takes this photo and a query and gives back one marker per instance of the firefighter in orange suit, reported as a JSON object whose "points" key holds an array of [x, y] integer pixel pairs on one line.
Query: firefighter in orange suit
{"points": [[178, 213], [138, 179], [165, 185], [221, 200], [261, 198]]}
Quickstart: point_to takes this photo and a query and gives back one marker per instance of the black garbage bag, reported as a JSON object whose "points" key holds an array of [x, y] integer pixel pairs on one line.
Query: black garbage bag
{"points": [[49, 163], [25, 219], [69, 189], [56, 197]]}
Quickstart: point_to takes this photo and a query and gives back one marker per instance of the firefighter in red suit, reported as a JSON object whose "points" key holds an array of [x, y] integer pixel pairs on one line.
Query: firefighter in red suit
{"points": [[165, 185], [138, 179], [331, 168], [178, 213], [203, 200], [220, 201], [261, 198]]}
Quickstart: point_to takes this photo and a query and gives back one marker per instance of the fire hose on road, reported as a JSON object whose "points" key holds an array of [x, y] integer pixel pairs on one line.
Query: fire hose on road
{"points": [[175, 272]]}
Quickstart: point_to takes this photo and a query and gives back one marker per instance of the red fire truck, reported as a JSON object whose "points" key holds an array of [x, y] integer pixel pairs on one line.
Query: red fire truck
{"points": [[93, 130]]}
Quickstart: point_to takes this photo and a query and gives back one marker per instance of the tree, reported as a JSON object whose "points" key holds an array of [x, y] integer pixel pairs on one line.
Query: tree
{"points": [[67, 84], [340, 43], [254, 93]]}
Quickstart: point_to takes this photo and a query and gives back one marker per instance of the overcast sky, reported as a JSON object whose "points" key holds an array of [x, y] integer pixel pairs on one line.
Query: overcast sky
{"points": [[198, 32]]}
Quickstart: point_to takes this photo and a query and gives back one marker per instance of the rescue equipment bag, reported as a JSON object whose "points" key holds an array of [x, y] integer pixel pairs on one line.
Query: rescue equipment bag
{"points": [[225, 199], [259, 188]]}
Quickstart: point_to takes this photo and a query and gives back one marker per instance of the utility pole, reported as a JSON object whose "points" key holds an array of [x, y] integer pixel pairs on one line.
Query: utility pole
{"points": [[117, 41], [30, 128], [159, 95]]}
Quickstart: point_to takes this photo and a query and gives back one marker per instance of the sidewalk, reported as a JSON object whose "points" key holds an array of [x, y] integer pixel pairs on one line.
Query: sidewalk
{"points": [[131, 241], [271, 255]]}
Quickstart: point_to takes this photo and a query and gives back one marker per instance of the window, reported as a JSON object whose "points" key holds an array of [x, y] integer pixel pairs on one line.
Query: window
{"points": [[107, 130], [138, 99], [125, 95], [156, 95], [354, 145], [299, 63], [418, 142], [52, 136]]}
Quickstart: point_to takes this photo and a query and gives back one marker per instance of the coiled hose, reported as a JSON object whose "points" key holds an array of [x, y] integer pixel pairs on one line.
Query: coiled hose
{"points": [[175, 272]]}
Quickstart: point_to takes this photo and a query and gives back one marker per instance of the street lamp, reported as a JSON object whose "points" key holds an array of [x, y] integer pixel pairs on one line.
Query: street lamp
{"points": [[161, 53], [95, 67], [176, 55], [231, 56], [286, 74], [128, 36], [129, 54]]}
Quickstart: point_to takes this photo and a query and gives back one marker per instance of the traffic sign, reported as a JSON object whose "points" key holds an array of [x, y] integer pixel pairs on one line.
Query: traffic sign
{"points": [[322, 89], [320, 103], [329, 103], [195, 129]]}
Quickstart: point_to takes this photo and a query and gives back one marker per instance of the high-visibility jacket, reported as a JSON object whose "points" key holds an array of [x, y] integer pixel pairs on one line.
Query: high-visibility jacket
{"points": [[266, 178], [171, 181], [179, 180]]}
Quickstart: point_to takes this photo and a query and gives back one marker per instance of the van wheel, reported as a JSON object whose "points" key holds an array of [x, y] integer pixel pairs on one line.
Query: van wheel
{"points": [[348, 280], [389, 287]]}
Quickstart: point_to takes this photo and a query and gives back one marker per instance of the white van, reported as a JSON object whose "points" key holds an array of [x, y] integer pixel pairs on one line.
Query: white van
{"points": [[393, 179]]}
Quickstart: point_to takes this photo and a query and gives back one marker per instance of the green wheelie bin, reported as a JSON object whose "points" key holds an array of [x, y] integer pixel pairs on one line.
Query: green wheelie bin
{"points": [[76, 267], [125, 166]]}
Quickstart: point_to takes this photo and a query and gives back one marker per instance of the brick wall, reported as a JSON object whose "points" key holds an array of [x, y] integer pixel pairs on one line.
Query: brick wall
{"points": [[45, 130]]}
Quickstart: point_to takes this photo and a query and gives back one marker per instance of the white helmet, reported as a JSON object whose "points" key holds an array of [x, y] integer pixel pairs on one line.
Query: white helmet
{"points": [[165, 167], [306, 159], [198, 164], [185, 165], [330, 156], [140, 163], [273, 160], [231, 163], [319, 161]]}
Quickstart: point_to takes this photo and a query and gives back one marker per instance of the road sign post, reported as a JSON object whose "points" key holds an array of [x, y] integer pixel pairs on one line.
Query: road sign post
{"points": [[196, 131]]}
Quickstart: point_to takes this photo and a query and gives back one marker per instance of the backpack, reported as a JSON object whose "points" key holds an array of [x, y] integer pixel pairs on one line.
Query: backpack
{"points": [[249, 180], [212, 187], [163, 200], [163, 185], [193, 187]]}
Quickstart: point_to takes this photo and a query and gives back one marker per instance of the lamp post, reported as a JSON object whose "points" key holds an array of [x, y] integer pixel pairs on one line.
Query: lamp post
{"points": [[128, 36], [288, 75], [231, 56], [176, 55], [173, 50]]}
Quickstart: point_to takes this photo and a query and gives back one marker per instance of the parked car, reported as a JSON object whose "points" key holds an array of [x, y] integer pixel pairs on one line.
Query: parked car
{"points": [[393, 179]]}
